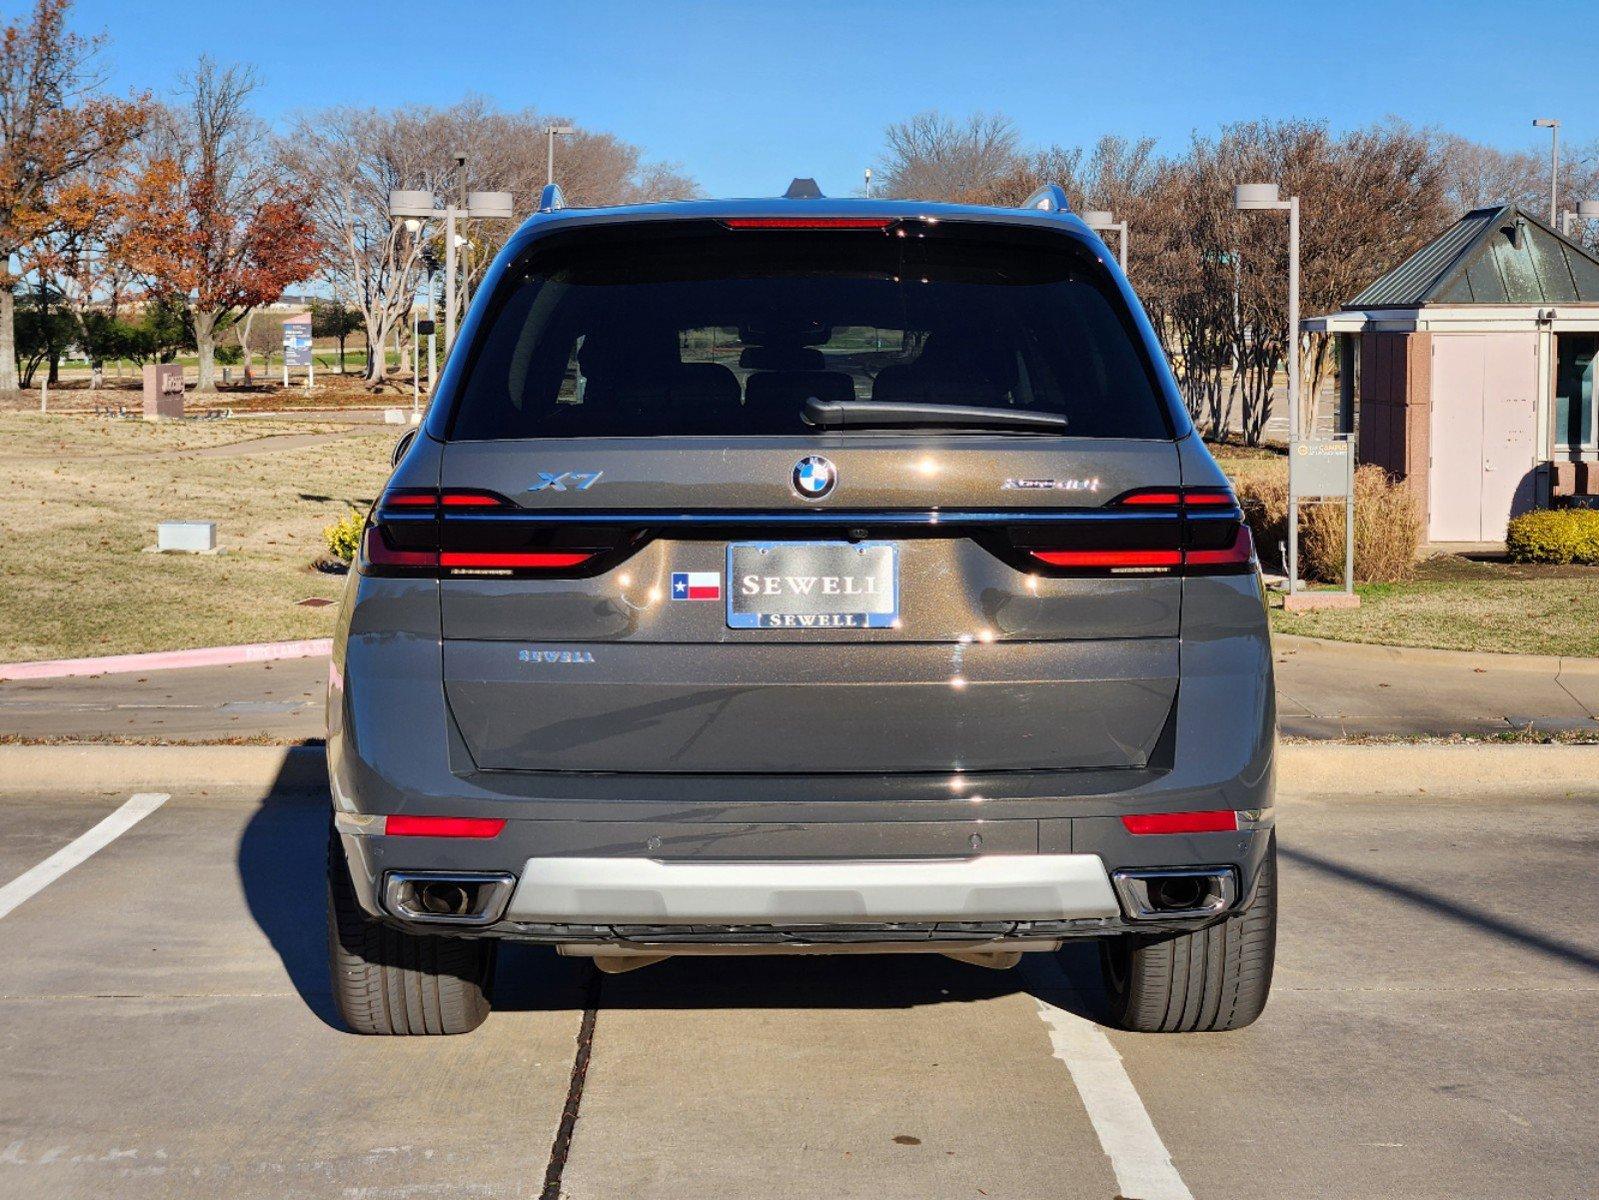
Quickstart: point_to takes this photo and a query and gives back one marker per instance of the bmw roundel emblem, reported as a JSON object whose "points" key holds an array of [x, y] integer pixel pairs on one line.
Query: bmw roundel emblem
{"points": [[814, 477]]}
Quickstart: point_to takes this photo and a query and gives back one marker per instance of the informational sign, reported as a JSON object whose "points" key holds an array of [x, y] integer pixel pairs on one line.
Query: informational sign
{"points": [[1321, 468], [297, 341]]}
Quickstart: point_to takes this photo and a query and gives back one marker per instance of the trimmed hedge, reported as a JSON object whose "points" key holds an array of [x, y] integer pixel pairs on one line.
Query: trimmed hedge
{"points": [[1554, 535], [344, 535]]}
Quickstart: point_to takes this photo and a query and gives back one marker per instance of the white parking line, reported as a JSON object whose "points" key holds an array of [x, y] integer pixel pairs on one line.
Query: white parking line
{"points": [[34, 880], [1143, 1165]]}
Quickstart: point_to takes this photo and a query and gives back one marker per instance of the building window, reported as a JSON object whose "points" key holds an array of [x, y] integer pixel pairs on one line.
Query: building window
{"points": [[1574, 423]]}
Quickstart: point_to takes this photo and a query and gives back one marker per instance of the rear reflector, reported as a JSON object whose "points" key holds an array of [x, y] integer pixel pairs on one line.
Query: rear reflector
{"points": [[400, 825], [529, 560], [809, 222], [1221, 820], [1110, 559]]}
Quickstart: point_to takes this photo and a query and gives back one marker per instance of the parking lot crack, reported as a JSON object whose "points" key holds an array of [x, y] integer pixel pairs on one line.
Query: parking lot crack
{"points": [[562, 1145]]}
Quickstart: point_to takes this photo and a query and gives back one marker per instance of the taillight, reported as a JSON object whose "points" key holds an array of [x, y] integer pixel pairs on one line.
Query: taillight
{"points": [[473, 532], [400, 825], [808, 222], [1165, 531], [1110, 558], [1240, 554], [1219, 820], [1189, 497], [532, 560]]}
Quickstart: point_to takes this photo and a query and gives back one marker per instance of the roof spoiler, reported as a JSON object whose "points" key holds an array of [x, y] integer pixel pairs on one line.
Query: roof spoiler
{"points": [[1050, 198]]}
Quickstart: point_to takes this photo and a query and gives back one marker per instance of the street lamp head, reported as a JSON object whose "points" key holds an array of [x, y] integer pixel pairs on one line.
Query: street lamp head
{"points": [[489, 205], [1099, 218], [560, 129], [403, 203], [1546, 122], [1256, 195], [413, 225]]}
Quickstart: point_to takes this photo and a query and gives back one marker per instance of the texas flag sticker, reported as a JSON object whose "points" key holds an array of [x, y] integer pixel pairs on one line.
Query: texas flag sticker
{"points": [[696, 585]]}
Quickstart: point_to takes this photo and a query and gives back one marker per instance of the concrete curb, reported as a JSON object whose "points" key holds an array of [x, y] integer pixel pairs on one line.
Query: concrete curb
{"points": [[115, 768], [1304, 771], [1552, 665], [167, 660]]}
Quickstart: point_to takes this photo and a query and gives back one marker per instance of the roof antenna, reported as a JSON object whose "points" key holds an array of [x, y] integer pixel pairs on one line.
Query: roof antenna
{"points": [[803, 189]]}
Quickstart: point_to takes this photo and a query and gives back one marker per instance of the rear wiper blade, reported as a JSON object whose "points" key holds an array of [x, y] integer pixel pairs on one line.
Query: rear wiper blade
{"points": [[893, 414]]}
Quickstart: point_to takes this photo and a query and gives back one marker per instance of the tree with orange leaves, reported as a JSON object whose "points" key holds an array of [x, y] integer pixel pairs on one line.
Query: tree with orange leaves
{"points": [[52, 127], [220, 228]]}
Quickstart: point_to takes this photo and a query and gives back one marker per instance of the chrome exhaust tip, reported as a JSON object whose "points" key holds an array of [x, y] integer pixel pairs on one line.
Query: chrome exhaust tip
{"points": [[1176, 893], [447, 897]]}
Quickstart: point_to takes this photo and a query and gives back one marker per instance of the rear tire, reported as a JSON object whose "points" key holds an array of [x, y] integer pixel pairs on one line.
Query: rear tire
{"points": [[1215, 979], [387, 981]]}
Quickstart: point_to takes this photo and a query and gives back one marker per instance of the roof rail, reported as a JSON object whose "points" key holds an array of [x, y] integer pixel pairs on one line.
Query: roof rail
{"points": [[1050, 198], [551, 199]]}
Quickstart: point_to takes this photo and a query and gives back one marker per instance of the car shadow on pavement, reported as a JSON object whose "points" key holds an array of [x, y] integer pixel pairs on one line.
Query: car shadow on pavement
{"points": [[281, 861]]}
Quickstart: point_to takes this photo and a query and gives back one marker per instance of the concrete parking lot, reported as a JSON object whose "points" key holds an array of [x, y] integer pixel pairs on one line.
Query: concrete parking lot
{"points": [[166, 1031]]}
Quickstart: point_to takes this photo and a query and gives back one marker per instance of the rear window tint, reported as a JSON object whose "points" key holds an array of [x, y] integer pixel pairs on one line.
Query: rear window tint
{"points": [[660, 330]]}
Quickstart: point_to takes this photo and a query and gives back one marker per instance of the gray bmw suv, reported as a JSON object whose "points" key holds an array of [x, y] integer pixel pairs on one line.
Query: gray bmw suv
{"points": [[798, 576]]}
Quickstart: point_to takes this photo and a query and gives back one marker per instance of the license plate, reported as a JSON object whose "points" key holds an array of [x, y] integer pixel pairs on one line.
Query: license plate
{"points": [[812, 585]]}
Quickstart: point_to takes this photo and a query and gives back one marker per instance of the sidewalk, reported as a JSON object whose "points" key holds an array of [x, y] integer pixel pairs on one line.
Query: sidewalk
{"points": [[1325, 690], [1347, 689]]}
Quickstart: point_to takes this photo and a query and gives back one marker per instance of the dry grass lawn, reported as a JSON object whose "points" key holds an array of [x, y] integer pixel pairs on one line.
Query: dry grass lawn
{"points": [[80, 499]]}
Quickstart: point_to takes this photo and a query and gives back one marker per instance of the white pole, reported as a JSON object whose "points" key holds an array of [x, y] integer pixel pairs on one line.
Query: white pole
{"points": [[433, 340], [1293, 388], [1123, 255], [416, 366], [1554, 171], [449, 273]]}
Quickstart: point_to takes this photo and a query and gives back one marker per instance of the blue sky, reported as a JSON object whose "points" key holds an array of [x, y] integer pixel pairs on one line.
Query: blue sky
{"points": [[746, 95]]}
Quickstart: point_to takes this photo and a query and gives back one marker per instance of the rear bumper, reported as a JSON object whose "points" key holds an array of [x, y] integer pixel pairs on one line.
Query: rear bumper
{"points": [[1001, 887], [627, 886]]}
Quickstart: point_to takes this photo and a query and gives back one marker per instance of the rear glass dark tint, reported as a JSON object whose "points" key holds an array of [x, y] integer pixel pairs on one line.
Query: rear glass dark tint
{"points": [[662, 330]]}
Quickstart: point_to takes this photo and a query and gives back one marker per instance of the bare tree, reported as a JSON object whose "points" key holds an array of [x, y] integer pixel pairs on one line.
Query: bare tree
{"points": [[934, 157], [1476, 176], [355, 157]]}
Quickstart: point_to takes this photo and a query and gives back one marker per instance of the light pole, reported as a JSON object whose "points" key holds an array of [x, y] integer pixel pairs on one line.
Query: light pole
{"points": [[549, 160], [1249, 197], [430, 261], [868, 183], [423, 206], [1101, 221], [1553, 126], [1587, 210]]}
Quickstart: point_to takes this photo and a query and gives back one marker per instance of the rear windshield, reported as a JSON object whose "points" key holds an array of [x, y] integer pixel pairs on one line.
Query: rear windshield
{"points": [[696, 329]]}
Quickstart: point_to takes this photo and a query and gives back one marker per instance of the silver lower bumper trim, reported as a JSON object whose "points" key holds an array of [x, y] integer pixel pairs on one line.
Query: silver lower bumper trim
{"points": [[1000, 887]]}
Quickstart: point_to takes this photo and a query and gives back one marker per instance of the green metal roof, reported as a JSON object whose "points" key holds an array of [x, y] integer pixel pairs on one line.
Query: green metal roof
{"points": [[1500, 255]]}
